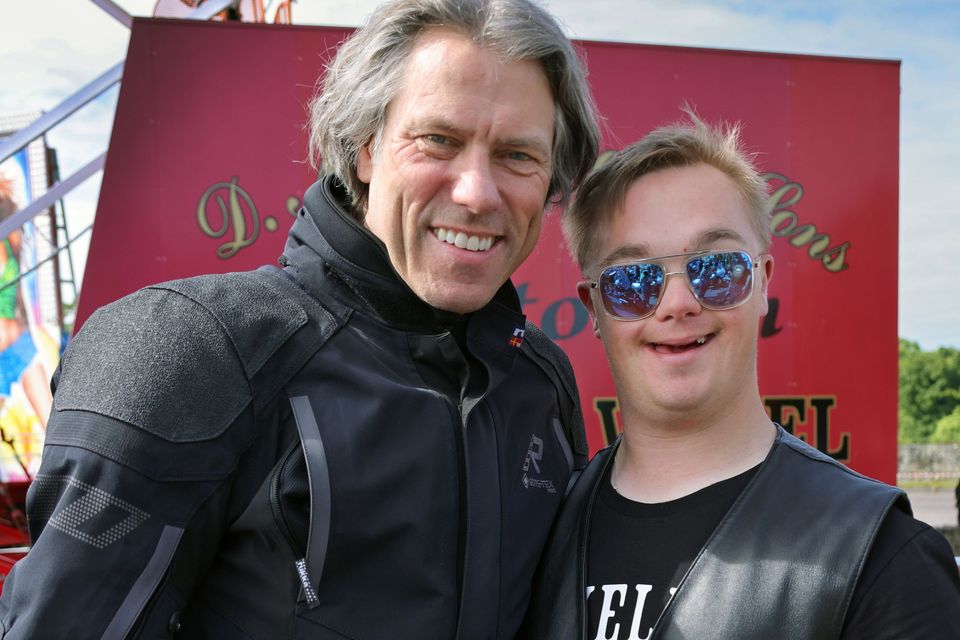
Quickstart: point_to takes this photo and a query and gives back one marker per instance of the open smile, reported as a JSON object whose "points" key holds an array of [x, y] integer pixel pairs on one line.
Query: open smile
{"points": [[680, 347], [464, 241]]}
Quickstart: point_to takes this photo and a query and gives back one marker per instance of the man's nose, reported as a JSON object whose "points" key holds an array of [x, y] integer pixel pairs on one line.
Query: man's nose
{"points": [[676, 300], [475, 186]]}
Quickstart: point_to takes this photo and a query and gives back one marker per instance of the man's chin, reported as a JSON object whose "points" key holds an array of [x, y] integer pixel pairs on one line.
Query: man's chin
{"points": [[457, 298]]}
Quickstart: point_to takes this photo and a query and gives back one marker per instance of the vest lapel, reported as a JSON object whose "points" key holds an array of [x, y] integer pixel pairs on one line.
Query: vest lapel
{"points": [[784, 561]]}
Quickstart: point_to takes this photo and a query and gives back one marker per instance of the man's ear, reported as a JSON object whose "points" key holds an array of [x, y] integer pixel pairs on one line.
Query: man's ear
{"points": [[583, 292], [766, 274], [365, 163]]}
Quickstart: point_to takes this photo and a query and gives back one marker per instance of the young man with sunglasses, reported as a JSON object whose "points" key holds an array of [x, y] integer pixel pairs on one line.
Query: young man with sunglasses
{"points": [[706, 520]]}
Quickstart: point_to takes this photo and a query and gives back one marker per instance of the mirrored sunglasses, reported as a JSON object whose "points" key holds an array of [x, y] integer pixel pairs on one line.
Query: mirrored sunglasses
{"points": [[717, 279]]}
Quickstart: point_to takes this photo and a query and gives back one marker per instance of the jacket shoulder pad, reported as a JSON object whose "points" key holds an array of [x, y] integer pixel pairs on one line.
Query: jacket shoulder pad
{"points": [[176, 359]]}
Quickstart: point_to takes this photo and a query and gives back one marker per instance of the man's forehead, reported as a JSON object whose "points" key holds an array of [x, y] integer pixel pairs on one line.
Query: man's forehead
{"points": [[446, 67], [433, 34], [642, 250], [432, 47]]}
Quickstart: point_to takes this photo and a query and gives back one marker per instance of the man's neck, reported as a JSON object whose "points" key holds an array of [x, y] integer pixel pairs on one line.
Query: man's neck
{"points": [[658, 462]]}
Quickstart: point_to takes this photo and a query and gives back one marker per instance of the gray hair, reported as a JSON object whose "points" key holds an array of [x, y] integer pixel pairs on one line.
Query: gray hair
{"points": [[678, 145], [350, 110]]}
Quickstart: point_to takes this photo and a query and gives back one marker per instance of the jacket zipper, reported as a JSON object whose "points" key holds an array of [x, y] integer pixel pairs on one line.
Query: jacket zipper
{"points": [[300, 564], [464, 510], [464, 497], [275, 506]]}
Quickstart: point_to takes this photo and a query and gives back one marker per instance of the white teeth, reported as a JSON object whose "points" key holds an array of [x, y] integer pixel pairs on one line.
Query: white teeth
{"points": [[463, 241], [701, 340]]}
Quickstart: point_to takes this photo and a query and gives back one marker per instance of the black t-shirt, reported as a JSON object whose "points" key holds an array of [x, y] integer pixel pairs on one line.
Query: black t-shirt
{"points": [[638, 553]]}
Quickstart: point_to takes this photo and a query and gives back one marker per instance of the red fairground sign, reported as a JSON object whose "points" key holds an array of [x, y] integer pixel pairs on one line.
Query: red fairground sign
{"points": [[207, 166]]}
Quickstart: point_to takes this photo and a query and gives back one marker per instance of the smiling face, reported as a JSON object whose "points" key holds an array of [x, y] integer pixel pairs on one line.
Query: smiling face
{"points": [[459, 177], [683, 363]]}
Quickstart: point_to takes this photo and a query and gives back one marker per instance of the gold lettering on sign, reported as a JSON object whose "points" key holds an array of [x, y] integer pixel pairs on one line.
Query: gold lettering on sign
{"points": [[792, 412], [807, 417], [234, 215], [293, 205], [784, 223], [608, 408]]}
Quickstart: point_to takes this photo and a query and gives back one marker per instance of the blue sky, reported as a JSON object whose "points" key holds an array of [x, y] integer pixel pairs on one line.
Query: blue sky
{"points": [[52, 47]]}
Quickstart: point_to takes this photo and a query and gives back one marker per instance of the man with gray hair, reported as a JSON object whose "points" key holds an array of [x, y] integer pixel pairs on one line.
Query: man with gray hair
{"points": [[370, 442]]}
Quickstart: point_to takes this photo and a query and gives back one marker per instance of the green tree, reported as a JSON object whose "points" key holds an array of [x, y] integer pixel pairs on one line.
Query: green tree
{"points": [[929, 390], [948, 428]]}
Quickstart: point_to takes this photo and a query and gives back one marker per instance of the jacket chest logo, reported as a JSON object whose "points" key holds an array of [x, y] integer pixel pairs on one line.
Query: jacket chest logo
{"points": [[531, 466]]}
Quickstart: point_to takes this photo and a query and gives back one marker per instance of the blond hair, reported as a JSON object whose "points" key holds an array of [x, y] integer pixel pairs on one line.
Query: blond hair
{"points": [[681, 144]]}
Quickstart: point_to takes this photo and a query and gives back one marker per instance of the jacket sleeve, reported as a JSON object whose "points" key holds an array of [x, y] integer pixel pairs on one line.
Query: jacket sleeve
{"points": [[104, 537], [150, 417]]}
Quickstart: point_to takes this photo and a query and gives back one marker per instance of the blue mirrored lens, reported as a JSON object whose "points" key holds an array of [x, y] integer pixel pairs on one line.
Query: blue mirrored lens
{"points": [[631, 291], [721, 280]]}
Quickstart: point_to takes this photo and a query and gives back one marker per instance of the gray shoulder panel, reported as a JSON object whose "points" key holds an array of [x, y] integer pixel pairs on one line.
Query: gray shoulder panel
{"points": [[257, 317], [175, 359]]}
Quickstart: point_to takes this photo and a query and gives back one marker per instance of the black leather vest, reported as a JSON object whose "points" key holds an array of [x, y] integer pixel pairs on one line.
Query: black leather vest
{"points": [[783, 562]]}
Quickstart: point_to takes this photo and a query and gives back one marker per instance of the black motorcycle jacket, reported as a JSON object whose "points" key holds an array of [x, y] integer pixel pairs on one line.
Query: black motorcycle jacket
{"points": [[310, 452]]}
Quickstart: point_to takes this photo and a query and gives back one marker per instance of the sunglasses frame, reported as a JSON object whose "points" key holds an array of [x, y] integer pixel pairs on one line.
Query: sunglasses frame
{"points": [[755, 261]]}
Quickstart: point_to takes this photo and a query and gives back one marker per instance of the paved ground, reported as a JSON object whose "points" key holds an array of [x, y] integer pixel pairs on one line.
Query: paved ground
{"points": [[935, 507]]}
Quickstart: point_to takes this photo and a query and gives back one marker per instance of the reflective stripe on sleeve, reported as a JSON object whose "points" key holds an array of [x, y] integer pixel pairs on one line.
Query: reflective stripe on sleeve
{"points": [[145, 586]]}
